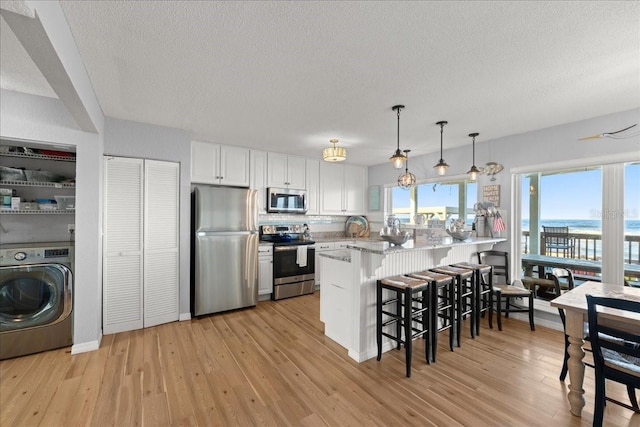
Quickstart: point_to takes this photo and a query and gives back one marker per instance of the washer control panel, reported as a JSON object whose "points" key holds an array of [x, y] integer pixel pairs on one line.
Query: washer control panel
{"points": [[17, 256]]}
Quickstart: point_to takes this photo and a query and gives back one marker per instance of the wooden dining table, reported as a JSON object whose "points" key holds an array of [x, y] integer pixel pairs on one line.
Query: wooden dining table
{"points": [[574, 303]]}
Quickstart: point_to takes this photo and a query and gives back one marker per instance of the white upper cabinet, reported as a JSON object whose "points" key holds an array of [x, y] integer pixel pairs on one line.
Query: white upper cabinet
{"points": [[355, 186], [219, 164], [342, 189], [313, 186], [259, 178], [286, 171]]}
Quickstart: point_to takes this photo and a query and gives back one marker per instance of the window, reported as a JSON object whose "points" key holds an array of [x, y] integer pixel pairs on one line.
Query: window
{"points": [[436, 200], [569, 198], [601, 213]]}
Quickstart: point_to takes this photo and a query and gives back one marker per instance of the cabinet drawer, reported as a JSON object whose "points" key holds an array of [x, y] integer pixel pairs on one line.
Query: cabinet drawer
{"points": [[325, 246]]}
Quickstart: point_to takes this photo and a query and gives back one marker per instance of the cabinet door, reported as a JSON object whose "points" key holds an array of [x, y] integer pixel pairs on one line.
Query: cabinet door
{"points": [[122, 299], [265, 275], [258, 182], [234, 166], [321, 247], [277, 170], [296, 172], [161, 242], [313, 186], [331, 185], [205, 158], [355, 183]]}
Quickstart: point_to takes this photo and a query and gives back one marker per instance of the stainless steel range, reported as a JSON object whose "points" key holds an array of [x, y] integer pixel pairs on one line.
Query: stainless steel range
{"points": [[293, 260]]}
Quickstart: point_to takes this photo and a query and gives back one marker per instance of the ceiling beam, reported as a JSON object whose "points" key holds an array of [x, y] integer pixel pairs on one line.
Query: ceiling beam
{"points": [[30, 31]]}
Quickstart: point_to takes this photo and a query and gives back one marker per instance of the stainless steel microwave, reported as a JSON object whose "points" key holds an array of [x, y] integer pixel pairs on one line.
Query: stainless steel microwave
{"points": [[284, 200]]}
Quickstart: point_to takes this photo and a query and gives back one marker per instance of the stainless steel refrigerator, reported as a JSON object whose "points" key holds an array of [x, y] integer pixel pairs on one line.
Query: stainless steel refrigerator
{"points": [[224, 249]]}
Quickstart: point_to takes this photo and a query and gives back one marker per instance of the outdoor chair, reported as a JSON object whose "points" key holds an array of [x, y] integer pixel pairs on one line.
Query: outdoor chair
{"points": [[557, 241], [504, 291], [616, 353]]}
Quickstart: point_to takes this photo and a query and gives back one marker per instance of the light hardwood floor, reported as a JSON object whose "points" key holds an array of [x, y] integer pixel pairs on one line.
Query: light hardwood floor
{"points": [[272, 365]]}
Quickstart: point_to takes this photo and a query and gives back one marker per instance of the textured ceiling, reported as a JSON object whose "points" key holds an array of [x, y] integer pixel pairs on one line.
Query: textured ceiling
{"points": [[289, 76]]}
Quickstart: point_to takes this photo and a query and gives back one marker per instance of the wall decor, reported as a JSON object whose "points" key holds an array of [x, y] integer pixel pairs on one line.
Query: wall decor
{"points": [[491, 193], [374, 198]]}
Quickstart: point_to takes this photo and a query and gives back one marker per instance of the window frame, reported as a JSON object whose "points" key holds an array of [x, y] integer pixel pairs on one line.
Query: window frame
{"points": [[613, 168]]}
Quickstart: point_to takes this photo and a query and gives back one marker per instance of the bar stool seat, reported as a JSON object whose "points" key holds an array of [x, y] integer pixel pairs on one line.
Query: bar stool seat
{"points": [[465, 301], [484, 291], [406, 317], [442, 307]]}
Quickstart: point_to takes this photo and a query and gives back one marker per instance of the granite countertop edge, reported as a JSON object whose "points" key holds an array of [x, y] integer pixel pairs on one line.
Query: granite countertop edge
{"points": [[384, 248]]}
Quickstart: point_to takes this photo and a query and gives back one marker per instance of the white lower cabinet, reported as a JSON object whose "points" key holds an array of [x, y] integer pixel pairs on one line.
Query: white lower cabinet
{"points": [[321, 247], [141, 245], [327, 247], [265, 269], [335, 299]]}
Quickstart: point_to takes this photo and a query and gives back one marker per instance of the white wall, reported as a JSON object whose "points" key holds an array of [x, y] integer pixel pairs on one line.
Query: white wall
{"points": [[130, 139], [45, 120]]}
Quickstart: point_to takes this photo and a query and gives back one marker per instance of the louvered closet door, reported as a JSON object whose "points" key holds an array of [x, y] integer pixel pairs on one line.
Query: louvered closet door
{"points": [[161, 263], [122, 239]]}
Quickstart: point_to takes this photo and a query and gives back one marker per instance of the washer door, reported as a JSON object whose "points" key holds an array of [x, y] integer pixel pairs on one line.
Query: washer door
{"points": [[34, 295]]}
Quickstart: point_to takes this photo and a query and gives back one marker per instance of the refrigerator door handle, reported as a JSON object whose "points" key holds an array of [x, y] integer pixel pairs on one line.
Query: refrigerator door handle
{"points": [[251, 266], [252, 210]]}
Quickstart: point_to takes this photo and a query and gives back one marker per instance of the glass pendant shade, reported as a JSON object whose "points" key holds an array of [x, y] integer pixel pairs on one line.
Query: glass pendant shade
{"points": [[407, 179], [441, 167], [474, 171], [398, 159], [333, 153]]}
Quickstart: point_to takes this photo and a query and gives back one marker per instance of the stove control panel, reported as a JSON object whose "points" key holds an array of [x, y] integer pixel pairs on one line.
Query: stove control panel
{"points": [[281, 229]]}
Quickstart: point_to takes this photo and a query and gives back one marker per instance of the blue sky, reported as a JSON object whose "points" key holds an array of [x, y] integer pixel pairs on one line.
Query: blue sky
{"points": [[578, 195]]}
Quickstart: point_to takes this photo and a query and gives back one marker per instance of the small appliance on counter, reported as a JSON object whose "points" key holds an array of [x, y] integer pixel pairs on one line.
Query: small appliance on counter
{"points": [[293, 260]]}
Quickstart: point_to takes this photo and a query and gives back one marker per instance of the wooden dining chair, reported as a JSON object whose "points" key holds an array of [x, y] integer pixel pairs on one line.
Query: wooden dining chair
{"points": [[616, 352], [504, 291], [563, 281]]}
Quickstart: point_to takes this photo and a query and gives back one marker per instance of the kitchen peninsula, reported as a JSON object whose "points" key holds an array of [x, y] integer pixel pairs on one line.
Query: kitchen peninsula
{"points": [[348, 293]]}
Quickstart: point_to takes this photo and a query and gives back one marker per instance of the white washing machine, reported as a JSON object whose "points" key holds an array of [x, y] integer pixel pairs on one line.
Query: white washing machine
{"points": [[36, 299]]}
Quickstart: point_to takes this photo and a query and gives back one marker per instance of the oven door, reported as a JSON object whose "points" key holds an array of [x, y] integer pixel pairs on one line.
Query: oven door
{"points": [[285, 262]]}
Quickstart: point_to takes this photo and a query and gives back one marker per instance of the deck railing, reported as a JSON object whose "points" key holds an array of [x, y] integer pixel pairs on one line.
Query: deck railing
{"points": [[588, 246]]}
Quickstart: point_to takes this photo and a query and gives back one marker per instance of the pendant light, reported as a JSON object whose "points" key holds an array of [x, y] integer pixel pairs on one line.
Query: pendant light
{"points": [[333, 153], [398, 158], [407, 179], [474, 171], [441, 167]]}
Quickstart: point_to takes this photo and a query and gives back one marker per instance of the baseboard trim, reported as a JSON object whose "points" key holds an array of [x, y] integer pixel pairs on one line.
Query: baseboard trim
{"points": [[85, 347], [184, 316]]}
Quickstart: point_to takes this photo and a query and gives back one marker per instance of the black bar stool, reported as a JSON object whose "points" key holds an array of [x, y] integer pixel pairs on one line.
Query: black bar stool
{"points": [[465, 304], [442, 306], [484, 290], [406, 290]]}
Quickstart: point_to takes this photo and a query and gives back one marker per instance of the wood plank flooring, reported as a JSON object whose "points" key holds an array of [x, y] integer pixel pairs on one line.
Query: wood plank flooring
{"points": [[273, 366]]}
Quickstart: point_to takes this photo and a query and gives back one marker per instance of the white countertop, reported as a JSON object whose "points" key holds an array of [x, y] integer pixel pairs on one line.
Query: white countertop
{"points": [[384, 248]]}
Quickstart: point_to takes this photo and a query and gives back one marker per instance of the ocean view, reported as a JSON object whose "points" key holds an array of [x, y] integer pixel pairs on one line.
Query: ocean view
{"points": [[631, 226], [592, 226]]}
